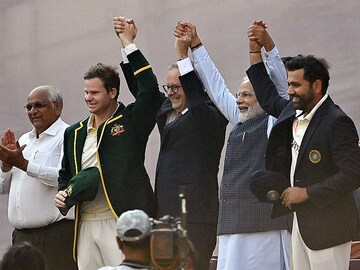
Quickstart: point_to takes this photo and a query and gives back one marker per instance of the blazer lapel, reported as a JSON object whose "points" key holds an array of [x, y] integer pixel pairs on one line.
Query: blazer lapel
{"points": [[315, 121], [161, 117], [79, 141]]}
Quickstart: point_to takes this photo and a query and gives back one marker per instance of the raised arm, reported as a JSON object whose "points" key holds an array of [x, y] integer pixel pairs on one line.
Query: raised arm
{"points": [[211, 78], [203, 111], [149, 98], [119, 27], [266, 91], [257, 31], [214, 82]]}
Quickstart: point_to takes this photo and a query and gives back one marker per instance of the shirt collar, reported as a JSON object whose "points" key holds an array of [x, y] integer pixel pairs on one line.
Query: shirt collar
{"points": [[184, 111], [90, 123], [301, 115], [51, 131]]}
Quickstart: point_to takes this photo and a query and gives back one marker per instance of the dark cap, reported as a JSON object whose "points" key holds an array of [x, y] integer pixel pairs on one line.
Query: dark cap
{"points": [[267, 186], [83, 186]]}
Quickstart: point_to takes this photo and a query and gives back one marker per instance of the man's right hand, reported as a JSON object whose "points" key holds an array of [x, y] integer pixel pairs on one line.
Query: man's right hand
{"points": [[125, 29], [186, 28], [9, 142], [13, 156], [182, 41], [60, 198], [257, 32]]}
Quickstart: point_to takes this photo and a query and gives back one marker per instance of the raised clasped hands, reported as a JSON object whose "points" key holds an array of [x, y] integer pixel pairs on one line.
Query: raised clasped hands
{"points": [[186, 37], [125, 29], [259, 36], [183, 39]]}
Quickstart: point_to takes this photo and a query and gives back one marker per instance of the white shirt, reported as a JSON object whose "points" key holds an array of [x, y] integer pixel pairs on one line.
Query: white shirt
{"points": [[98, 208], [32, 193], [300, 125]]}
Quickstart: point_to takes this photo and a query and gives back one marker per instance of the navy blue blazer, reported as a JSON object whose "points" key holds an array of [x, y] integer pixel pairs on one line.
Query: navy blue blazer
{"points": [[328, 164], [189, 155], [190, 151]]}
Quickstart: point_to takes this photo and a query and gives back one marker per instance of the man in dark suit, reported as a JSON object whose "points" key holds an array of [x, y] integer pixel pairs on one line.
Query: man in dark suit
{"points": [[113, 139], [313, 144], [189, 155], [192, 134]]}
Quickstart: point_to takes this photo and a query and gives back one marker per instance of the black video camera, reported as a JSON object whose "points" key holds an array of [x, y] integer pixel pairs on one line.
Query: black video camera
{"points": [[170, 247]]}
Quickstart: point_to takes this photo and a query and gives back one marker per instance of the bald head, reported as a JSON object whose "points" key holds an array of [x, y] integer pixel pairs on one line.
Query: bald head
{"points": [[52, 93], [44, 106]]}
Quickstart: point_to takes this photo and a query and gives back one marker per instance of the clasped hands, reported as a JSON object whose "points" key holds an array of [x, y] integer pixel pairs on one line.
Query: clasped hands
{"points": [[125, 29], [11, 152]]}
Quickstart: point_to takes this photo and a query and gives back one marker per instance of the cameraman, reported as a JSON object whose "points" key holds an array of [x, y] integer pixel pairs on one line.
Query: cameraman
{"points": [[133, 237]]}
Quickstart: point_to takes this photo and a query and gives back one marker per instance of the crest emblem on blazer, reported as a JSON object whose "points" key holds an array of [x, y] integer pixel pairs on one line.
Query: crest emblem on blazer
{"points": [[315, 156], [117, 129]]}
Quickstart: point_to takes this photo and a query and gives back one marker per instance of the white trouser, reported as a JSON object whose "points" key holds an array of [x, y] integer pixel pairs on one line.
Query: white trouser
{"points": [[254, 251], [97, 244], [334, 258]]}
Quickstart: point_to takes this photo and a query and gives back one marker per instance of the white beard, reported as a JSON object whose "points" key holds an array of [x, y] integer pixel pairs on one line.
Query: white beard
{"points": [[253, 111]]}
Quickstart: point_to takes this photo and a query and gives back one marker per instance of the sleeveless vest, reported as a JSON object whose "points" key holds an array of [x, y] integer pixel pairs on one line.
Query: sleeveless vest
{"points": [[240, 211]]}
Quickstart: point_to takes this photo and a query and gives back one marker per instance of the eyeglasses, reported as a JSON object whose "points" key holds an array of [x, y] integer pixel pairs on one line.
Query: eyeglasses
{"points": [[36, 105], [174, 88]]}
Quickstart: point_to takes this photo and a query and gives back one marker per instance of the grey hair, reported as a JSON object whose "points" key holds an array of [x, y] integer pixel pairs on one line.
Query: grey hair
{"points": [[54, 94]]}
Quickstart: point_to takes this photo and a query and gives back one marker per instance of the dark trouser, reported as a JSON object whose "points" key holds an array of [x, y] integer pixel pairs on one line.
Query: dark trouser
{"points": [[203, 236], [55, 241]]}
